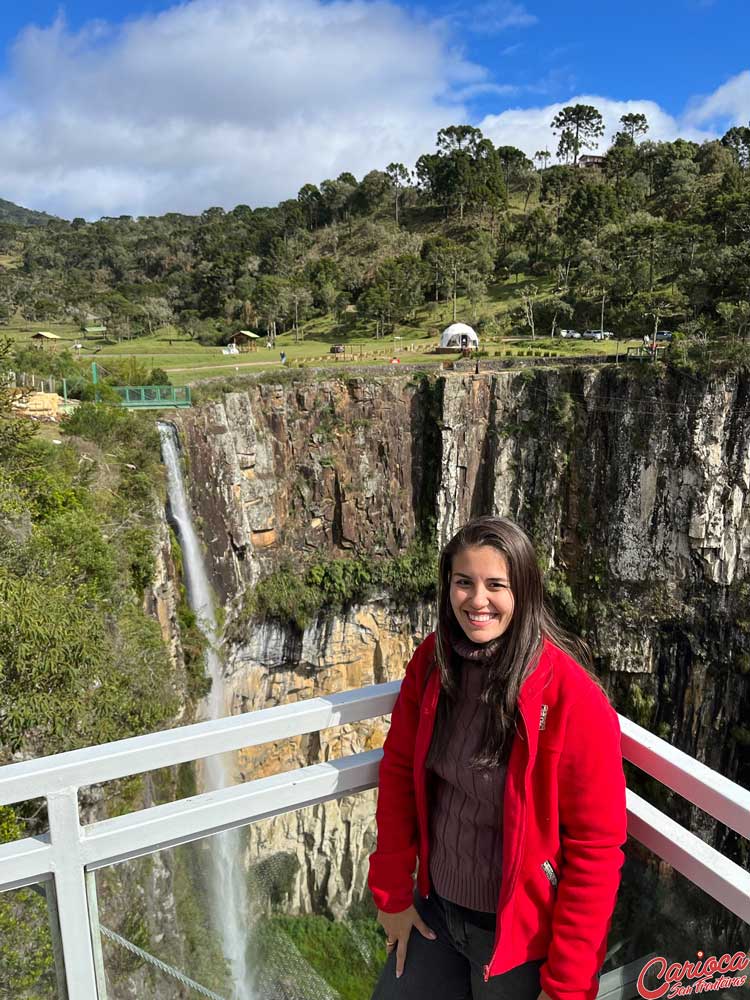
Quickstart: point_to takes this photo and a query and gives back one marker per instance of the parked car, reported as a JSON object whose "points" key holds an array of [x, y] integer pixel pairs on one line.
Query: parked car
{"points": [[337, 349], [593, 335], [663, 335], [570, 334]]}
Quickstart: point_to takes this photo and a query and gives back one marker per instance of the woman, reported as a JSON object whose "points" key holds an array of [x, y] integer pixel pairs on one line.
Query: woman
{"points": [[502, 778]]}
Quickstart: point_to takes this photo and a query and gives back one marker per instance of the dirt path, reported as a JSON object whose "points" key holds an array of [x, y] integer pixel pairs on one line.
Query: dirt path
{"points": [[229, 367]]}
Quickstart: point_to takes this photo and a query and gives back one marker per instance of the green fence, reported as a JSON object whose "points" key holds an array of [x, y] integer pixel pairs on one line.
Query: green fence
{"points": [[153, 397]]}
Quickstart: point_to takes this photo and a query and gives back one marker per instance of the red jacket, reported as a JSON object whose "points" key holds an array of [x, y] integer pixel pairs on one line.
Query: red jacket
{"points": [[564, 819]]}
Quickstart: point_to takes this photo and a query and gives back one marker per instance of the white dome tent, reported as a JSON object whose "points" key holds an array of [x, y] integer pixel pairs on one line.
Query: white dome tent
{"points": [[459, 336]]}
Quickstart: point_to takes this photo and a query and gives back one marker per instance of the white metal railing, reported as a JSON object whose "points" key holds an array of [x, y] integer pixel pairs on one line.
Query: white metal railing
{"points": [[70, 852]]}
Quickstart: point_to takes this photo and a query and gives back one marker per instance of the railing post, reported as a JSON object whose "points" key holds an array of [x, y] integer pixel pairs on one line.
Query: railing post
{"points": [[54, 931], [70, 890], [96, 935]]}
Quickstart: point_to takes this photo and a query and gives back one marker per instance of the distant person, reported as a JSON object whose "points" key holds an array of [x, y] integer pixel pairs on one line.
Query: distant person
{"points": [[283, 357], [516, 879]]}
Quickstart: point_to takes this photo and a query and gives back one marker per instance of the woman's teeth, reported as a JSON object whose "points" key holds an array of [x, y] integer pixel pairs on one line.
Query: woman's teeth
{"points": [[479, 618]]}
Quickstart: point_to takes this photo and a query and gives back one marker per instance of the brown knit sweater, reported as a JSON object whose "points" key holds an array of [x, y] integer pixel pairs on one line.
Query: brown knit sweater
{"points": [[466, 804]]}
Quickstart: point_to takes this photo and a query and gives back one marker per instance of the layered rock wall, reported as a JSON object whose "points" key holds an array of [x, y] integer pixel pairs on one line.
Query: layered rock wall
{"points": [[633, 482]]}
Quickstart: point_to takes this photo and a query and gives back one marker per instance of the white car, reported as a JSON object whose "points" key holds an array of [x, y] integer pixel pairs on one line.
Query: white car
{"points": [[570, 334]]}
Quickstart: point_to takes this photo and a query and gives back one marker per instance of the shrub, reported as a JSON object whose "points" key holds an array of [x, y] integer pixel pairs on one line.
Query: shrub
{"points": [[334, 584]]}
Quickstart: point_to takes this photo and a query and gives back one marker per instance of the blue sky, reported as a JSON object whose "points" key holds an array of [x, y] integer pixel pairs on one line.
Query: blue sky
{"points": [[669, 51], [144, 106]]}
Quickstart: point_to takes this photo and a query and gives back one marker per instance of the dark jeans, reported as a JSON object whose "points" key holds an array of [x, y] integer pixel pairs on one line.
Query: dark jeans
{"points": [[452, 967]]}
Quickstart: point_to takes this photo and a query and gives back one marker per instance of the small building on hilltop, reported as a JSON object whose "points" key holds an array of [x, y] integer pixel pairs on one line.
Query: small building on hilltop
{"points": [[592, 160], [458, 337]]}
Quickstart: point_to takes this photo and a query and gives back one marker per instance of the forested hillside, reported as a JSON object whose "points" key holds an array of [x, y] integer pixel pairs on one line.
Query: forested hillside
{"points": [[645, 235], [9, 212]]}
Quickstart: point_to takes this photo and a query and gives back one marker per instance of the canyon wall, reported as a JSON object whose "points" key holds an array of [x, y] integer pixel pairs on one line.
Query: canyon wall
{"points": [[632, 480]]}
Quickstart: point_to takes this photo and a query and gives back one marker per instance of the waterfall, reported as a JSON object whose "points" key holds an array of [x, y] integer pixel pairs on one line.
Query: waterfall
{"points": [[230, 902]]}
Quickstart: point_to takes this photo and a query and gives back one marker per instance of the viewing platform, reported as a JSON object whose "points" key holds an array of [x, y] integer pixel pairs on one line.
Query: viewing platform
{"points": [[154, 397], [65, 863]]}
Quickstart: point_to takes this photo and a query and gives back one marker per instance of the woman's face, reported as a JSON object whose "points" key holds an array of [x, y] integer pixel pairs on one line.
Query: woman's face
{"points": [[480, 593]]}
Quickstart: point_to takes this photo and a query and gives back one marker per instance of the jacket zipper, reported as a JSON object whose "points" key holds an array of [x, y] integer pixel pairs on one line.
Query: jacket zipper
{"points": [[550, 872], [522, 835]]}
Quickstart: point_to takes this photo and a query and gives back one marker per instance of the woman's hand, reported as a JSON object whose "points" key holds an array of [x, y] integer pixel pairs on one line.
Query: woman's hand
{"points": [[397, 927], [543, 996]]}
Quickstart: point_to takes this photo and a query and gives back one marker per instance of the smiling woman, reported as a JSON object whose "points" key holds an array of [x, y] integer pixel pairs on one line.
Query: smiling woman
{"points": [[480, 593], [502, 777]]}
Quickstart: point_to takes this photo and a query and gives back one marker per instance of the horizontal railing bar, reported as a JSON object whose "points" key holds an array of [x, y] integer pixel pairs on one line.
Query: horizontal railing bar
{"points": [[710, 791], [701, 864], [165, 826], [77, 768], [174, 823], [25, 862], [620, 983]]}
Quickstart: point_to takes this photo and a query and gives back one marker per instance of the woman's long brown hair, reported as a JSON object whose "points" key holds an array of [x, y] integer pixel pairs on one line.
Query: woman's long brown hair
{"points": [[518, 649]]}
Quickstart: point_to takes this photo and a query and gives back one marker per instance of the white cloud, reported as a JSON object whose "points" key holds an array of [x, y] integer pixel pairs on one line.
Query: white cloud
{"points": [[222, 102], [729, 103], [499, 15], [529, 128]]}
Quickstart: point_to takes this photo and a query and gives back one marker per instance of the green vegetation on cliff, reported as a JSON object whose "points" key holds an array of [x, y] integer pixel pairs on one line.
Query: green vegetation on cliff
{"points": [[333, 584], [80, 661]]}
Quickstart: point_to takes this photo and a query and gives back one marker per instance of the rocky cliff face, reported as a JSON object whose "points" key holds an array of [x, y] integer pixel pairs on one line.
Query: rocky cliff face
{"points": [[288, 470], [324, 849], [633, 482]]}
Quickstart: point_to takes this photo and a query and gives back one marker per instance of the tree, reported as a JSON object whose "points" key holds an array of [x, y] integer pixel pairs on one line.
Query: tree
{"points": [[476, 290], [542, 157], [458, 138], [401, 282], [449, 262], [528, 298], [268, 302], [371, 191], [516, 165], [399, 177], [566, 147], [591, 205], [517, 262], [552, 312], [738, 140], [300, 298], [579, 126], [311, 201], [657, 305], [634, 124], [537, 230], [465, 172], [518, 171], [13, 432], [735, 317], [336, 199]]}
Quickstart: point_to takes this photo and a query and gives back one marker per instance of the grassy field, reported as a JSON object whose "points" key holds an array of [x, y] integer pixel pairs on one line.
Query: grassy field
{"points": [[186, 361]]}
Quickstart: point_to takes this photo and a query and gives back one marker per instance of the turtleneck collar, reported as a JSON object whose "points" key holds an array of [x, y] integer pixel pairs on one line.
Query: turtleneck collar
{"points": [[474, 651]]}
